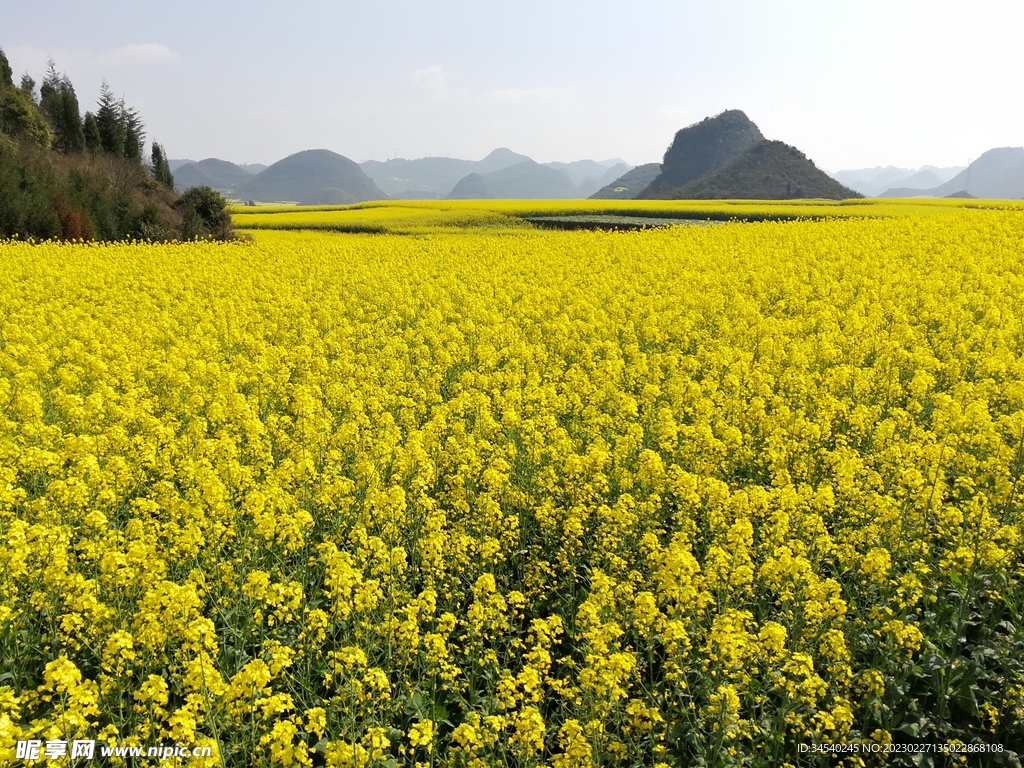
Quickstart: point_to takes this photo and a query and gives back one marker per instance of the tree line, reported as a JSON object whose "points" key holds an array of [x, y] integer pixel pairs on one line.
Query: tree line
{"points": [[65, 174]]}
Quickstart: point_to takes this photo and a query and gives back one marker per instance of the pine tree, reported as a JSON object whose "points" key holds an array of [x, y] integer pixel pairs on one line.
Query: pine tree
{"points": [[60, 105], [28, 85], [91, 130], [48, 90], [134, 132], [161, 168], [72, 119], [109, 122]]}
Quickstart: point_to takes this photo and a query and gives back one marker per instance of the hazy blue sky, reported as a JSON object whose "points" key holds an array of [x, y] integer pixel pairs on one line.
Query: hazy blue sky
{"points": [[850, 83]]}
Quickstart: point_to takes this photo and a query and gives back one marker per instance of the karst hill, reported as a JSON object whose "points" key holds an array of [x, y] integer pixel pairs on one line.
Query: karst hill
{"points": [[727, 157], [218, 174], [769, 170], [701, 148], [314, 176], [528, 180]]}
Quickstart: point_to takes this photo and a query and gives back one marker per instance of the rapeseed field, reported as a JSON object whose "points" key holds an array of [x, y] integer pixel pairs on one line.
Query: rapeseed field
{"points": [[468, 493]]}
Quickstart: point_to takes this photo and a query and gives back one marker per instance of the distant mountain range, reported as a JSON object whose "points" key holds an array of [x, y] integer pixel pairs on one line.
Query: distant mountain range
{"points": [[997, 174], [532, 181], [440, 177], [252, 168], [433, 177], [526, 180], [725, 156], [502, 173], [211, 172], [872, 182], [589, 175]]}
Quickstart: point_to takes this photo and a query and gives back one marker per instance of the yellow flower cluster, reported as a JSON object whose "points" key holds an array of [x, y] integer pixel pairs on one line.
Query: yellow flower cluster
{"points": [[494, 495]]}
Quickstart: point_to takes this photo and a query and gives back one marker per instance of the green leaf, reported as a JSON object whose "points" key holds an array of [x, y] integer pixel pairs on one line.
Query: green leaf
{"points": [[911, 729], [934, 661]]}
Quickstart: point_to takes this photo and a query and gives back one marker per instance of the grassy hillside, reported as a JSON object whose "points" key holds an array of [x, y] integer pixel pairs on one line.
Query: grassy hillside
{"points": [[48, 195]]}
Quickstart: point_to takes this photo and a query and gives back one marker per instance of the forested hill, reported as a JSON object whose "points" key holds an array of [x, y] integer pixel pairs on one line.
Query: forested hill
{"points": [[67, 175], [769, 170], [727, 157], [703, 147]]}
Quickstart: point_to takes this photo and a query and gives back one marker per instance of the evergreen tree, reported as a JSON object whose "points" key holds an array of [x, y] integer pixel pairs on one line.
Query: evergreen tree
{"points": [[162, 168], [109, 122], [134, 132], [6, 73], [71, 119], [75, 200], [28, 85], [59, 103], [48, 90], [91, 132]]}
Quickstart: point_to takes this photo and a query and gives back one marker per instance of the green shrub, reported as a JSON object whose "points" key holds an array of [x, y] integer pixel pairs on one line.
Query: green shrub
{"points": [[205, 214]]}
